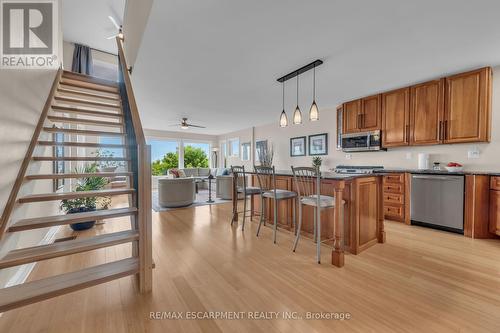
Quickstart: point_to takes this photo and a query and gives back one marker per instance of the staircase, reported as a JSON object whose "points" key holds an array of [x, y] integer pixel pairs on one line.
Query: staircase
{"points": [[80, 106]]}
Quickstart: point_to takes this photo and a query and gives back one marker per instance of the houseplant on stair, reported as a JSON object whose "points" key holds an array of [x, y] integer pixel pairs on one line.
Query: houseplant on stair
{"points": [[89, 204]]}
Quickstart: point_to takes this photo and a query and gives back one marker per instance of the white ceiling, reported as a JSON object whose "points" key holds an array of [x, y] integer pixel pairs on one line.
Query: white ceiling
{"points": [[216, 62], [86, 22]]}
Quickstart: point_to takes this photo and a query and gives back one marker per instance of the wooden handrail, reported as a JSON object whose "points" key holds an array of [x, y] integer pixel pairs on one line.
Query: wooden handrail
{"points": [[134, 112], [11, 201], [140, 154]]}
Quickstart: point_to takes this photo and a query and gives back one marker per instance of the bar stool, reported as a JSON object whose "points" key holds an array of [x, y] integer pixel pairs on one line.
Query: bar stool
{"points": [[308, 184], [267, 183], [241, 187]]}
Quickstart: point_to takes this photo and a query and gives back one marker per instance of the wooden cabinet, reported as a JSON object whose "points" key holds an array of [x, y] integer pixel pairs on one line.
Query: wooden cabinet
{"points": [[495, 212], [494, 205], [370, 116], [427, 113], [350, 119], [366, 213], [362, 115], [284, 206], [396, 117], [449, 110], [394, 196], [468, 107]]}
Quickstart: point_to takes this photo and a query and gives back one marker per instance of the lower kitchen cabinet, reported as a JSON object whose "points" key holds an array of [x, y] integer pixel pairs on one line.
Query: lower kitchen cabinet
{"points": [[495, 205], [394, 196]]}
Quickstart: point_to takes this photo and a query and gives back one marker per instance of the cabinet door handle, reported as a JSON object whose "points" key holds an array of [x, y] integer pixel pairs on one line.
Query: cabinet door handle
{"points": [[445, 130], [407, 129], [359, 120], [440, 136]]}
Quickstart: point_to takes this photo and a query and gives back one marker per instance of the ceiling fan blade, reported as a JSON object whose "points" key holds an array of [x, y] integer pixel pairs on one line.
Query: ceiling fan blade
{"points": [[190, 125], [111, 37], [171, 125], [112, 19]]}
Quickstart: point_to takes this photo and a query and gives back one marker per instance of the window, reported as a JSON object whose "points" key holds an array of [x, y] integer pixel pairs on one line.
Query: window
{"points": [[234, 147], [164, 156], [223, 154], [245, 151], [196, 155]]}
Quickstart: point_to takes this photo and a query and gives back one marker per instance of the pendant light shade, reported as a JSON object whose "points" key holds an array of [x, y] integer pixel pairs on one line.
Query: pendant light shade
{"points": [[314, 112], [297, 115], [283, 117]]}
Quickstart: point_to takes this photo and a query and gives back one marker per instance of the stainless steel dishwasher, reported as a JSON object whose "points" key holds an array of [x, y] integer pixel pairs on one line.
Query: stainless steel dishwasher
{"points": [[437, 201]]}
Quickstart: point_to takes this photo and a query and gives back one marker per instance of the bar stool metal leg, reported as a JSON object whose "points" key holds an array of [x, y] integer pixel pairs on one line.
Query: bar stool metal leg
{"points": [[275, 227], [262, 217], [315, 225], [244, 212], [299, 226], [318, 232], [294, 207]]}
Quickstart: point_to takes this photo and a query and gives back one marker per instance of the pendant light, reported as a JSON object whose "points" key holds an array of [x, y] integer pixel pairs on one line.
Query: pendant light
{"points": [[314, 112], [297, 115], [283, 117]]}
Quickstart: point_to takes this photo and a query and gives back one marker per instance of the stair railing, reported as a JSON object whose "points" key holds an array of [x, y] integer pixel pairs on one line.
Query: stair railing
{"points": [[140, 155]]}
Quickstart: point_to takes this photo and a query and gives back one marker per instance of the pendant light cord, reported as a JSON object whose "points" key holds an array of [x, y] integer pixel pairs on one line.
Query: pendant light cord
{"points": [[283, 95], [314, 83], [297, 90]]}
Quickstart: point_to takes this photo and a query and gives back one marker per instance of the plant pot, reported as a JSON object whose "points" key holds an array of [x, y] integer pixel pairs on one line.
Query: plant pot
{"points": [[81, 225]]}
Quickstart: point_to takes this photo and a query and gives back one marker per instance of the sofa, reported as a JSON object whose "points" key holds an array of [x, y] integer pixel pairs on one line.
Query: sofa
{"points": [[176, 192]]}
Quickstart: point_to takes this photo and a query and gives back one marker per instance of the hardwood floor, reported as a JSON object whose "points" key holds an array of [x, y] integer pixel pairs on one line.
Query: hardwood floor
{"points": [[420, 279]]}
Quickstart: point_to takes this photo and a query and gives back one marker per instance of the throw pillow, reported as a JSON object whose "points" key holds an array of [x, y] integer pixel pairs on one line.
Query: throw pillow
{"points": [[182, 174], [174, 172]]}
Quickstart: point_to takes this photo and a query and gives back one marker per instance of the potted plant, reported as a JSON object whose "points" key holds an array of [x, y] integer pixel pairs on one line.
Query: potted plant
{"points": [[316, 162], [88, 204], [107, 166], [266, 157]]}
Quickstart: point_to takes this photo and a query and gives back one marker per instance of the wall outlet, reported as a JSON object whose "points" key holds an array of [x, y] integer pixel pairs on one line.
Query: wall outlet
{"points": [[409, 156], [473, 153], [348, 156]]}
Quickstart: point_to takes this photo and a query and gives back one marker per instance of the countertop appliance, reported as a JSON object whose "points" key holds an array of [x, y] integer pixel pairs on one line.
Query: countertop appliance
{"points": [[437, 201], [356, 169], [363, 141]]}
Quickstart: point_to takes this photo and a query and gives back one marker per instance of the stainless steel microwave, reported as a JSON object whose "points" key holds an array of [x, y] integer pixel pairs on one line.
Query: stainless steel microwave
{"points": [[362, 141]]}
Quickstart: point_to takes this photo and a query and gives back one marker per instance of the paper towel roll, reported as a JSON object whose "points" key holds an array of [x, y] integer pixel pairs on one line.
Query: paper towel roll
{"points": [[423, 161]]}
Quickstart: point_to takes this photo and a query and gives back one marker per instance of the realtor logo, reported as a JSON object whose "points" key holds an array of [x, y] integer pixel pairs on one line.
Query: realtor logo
{"points": [[28, 34]]}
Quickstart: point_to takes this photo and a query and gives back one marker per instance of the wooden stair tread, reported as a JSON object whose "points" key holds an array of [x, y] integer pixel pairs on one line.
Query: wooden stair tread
{"points": [[86, 101], [88, 85], [81, 144], [87, 94], [78, 175], [84, 110], [54, 250], [50, 221], [56, 119], [73, 195], [88, 78], [78, 158], [81, 132], [35, 291]]}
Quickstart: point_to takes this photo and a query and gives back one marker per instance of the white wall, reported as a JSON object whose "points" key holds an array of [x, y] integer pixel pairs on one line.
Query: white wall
{"points": [[489, 159], [23, 94]]}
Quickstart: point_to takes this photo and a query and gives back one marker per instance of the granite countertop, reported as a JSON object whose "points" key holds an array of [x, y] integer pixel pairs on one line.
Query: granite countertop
{"points": [[439, 172], [324, 175]]}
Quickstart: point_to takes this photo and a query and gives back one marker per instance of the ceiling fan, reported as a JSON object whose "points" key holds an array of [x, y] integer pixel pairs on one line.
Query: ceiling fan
{"points": [[119, 27], [185, 125]]}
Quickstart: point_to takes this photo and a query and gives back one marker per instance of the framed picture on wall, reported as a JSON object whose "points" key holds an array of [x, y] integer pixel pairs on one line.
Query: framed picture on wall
{"points": [[298, 146], [318, 144]]}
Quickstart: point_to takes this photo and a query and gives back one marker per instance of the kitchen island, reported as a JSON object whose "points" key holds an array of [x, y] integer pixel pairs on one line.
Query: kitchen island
{"points": [[359, 226]]}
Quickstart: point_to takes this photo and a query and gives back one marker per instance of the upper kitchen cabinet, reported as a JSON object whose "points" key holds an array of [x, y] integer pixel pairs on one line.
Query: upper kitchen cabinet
{"points": [[396, 117], [351, 117], [427, 113], [468, 107], [362, 115], [370, 113]]}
